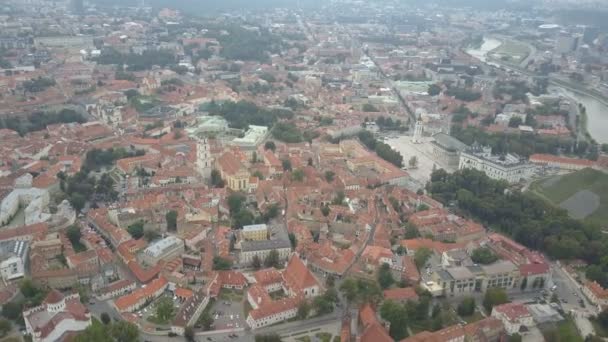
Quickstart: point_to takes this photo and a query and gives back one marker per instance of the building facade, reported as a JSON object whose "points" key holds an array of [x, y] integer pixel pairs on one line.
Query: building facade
{"points": [[509, 167], [255, 232]]}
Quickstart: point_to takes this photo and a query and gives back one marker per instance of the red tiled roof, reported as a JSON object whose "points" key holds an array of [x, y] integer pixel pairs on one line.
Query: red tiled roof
{"points": [[513, 311], [401, 294], [125, 302], [53, 297], [232, 278], [530, 269], [297, 275], [229, 164], [268, 276], [597, 289], [549, 158], [375, 333]]}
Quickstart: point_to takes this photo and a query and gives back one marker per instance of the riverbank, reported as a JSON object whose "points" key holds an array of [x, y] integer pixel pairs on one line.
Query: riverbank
{"points": [[593, 123]]}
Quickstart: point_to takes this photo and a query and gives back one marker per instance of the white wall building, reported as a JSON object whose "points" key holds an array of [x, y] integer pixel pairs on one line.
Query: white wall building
{"points": [[513, 316], [509, 167], [12, 268], [167, 248], [55, 317], [34, 201]]}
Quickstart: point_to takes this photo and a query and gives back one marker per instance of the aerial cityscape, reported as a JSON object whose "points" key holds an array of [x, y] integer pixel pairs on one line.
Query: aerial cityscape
{"points": [[303, 170]]}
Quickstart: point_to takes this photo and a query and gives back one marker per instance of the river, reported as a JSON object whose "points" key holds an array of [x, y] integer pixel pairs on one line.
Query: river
{"points": [[597, 113], [488, 45]]}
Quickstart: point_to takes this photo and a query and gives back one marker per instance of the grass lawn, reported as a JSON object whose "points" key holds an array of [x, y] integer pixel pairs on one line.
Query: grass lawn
{"points": [[231, 295], [323, 336], [599, 329], [511, 51], [476, 316], [303, 339], [559, 189], [156, 320], [565, 331]]}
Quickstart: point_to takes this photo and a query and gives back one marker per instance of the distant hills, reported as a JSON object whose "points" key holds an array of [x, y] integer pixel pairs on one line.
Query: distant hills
{"points": [[214, 6]]}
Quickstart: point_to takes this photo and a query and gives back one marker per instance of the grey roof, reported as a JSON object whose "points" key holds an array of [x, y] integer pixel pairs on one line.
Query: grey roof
{"points": [[445, 276], [10, 248], [459, 273], [250, 246], [476, 269], [499, 267], [448, 142]]}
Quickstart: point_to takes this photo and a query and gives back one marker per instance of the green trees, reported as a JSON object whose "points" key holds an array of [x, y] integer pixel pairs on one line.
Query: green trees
{"points": [[240, 215], [287, 132], [244, 45], [385, 277], [329, 176], [5, 327], [466, 307], [494, 296], [270, 145], [484, 256], [434, 89], [325, 210], [189, 334], [368, 107], [164, 309], [73, 233], [293, 240], [303, 310], [413, 162], [324, 304], [421, 256], [256, 263], [383, 150], [463, 94], [529, 220], [120, 331], [136, 229], [220, 263], [39, 84], [105, 318], [243, 113], [40, 120], [396, 314], [11, 310], [171, 219], [272, 259], [138, 62], [297, 175], [286, 163], [123, 331], [360, 291]]}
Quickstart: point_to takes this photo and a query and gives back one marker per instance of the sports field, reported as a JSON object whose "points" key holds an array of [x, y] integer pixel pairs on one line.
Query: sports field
{"points": [[583, 193], [511, 51]]}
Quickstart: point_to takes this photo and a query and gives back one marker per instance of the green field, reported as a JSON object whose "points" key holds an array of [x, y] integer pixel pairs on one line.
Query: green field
{"points": [[511, 51], [583, 193], [564, 331]]}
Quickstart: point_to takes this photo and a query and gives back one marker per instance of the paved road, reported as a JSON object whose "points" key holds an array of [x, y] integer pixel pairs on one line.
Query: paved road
{"points": [[247, 336]]}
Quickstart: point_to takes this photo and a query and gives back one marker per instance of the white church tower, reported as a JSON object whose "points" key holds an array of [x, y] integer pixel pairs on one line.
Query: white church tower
{"points": [[204, 160], [418, 129]]}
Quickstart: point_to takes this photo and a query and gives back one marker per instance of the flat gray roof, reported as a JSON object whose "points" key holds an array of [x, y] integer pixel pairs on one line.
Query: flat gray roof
{"points": [[250, 246]]}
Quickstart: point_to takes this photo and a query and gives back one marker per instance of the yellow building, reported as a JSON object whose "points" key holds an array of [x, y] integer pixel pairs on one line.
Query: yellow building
{"points": [[255, 232], [233, 172]]}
